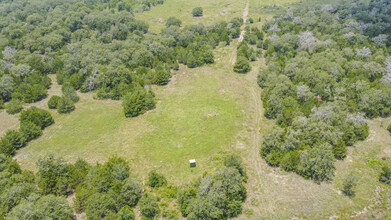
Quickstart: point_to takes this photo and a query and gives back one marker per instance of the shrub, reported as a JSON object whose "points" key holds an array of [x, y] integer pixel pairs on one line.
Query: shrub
{"points": [[290, 161], [156, 180], [14, 106], [1, 104], [101, 206], [348, 185], [162, 76], [389, 128], [138, 102], [65, 105], [39, 117], [53, 102], [242, 65], [69, 92], [131, 191], [126, 213], [236, 161], [30, 130], [17, 139], [149, 206], [173, 21], [197, 12], [385, 175], [6, 147]]}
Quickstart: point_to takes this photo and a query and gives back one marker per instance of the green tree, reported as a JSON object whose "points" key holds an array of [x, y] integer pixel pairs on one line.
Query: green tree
{"points": [[100, 206], [149, 206], [126, 213], [53, 102], [131, 191], [348, 185], [318, 163], [65, 105], [17, 139], [242, 65], [173, 21], [197, 12], [69, 92], [138, 102], [30, 130], [156, 180], [14, 106], [39, 117], [385, 175]]}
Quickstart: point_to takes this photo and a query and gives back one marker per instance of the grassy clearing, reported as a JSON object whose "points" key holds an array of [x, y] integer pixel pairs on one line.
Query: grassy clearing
{"points": [[205, 113], [213, 11]]}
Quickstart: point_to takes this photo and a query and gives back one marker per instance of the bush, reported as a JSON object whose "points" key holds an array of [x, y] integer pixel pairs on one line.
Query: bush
{"points": [[138, 102], [14, 106], [385, 175], [242, 65], [131, 191], [173, 21], [290, 161], [53, 102], [197, 12], [6, 147], [156, 180], [236, 161], [101, 206], [65, 105], [39, 117], [126, 213], [1, 104], [30, 130], [149, 206], [389, 128], [348, 185], [69, 92], [17, 139]]}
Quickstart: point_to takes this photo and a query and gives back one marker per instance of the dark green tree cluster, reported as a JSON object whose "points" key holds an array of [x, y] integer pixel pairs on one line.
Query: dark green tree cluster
{"points": [[197, 12], [323, 80], [32, 122], [138, 102], [385, 175], [215, 197], [246, 53], [20, 198]]}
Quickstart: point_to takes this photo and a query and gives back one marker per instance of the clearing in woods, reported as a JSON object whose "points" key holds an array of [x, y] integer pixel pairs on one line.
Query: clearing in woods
{"points": [[205, 114]]}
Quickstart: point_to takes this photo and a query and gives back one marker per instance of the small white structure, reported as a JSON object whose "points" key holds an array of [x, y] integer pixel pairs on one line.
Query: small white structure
{"points": [[192, 163]]}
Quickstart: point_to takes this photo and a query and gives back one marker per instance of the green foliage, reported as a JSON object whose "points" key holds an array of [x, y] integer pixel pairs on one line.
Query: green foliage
{"points": [[318, 163], [217, 197], [385, 175], [131, 191], [156, 180], [16, 138], [138, 102], [14, 106], [39, 117], [30, 130], [149, 206], [69, 92], [126, 213], [236, 162], [65, 105], [242, 65], [6, 147], [100, 206], [197, 12], [348, 185], [162, 76], [389, 128], [290, 161], [173, 21], [53, 101]]}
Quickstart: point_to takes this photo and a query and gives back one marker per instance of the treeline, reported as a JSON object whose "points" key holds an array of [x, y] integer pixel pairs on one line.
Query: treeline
{"points": [[110, 191], [32, 122], [329, 69], [95, 46], [246, 51]]}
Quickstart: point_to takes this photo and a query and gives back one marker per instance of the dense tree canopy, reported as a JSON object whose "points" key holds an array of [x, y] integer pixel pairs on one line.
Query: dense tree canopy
{"points": [[327, 73]]}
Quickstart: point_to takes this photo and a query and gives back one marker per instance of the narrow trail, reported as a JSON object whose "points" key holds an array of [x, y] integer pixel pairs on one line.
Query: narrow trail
{"points": [[242, 33]]}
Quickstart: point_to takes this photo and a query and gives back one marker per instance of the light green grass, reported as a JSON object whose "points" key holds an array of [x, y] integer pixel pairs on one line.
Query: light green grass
{"points": [[216, 10]]}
